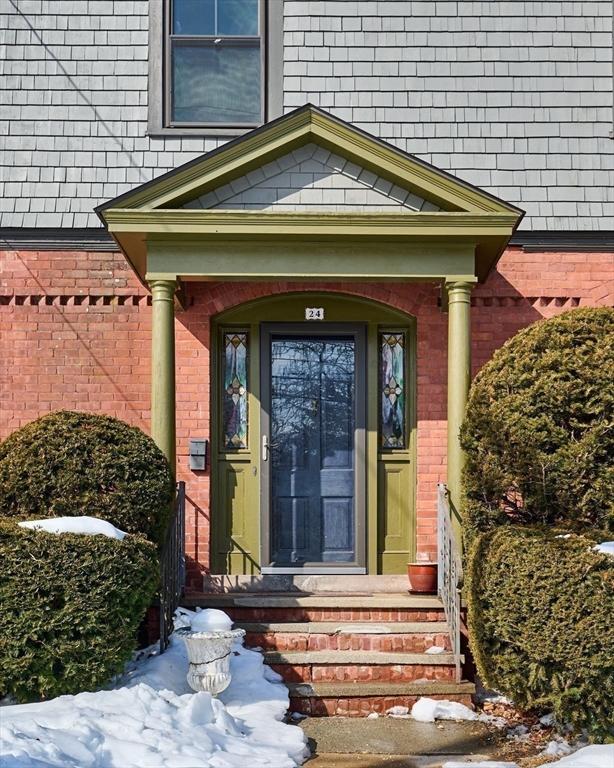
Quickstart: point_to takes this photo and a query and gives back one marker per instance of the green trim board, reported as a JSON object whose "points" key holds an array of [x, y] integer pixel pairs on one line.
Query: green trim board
{"points": [[390, 474], [274, 259], [155, 208]]}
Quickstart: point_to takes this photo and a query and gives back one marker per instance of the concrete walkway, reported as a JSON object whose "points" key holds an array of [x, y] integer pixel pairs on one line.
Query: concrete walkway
{"points": [[394, 743]]}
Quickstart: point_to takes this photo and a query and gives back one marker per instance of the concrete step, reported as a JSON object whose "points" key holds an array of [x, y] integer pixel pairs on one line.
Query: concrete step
{"points": [[358, 658], [426, 688], [360, 699], [389, 736], [410, 637], [345, 628], [305, 600], [311, 584]]}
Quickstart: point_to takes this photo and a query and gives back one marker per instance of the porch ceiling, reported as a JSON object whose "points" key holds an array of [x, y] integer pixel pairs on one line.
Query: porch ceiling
{"points": [[463, 236]]}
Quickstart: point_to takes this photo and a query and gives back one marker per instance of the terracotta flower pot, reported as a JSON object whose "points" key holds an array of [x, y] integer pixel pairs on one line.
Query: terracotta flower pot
{"points": [[422, 578]]}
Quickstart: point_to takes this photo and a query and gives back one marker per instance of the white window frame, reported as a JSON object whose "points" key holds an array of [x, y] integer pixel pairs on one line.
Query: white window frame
{"points": [[159, 123]]}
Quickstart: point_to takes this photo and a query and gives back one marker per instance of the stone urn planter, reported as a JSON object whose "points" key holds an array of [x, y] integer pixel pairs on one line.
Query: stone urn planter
{"points": [[209, 657]]}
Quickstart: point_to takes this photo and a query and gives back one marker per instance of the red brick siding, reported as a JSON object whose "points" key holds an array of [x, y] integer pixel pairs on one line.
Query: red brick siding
{"points": [[75, 333]]}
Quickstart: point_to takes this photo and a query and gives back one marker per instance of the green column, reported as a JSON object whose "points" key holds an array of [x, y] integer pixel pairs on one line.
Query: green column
{"points": [[459, 379], [163, 367]]}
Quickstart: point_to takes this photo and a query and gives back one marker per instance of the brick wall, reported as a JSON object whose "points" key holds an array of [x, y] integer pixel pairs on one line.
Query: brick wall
{"points": [[75, 333]]}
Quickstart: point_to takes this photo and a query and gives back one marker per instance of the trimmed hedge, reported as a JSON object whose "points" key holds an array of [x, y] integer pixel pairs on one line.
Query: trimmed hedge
{"points": [[70, 606], [540, 611], [69, 463], [538, 432]]}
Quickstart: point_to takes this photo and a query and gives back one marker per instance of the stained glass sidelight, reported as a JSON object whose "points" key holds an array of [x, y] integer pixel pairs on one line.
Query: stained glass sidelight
{"points": [[235, 390], [392, 382]]}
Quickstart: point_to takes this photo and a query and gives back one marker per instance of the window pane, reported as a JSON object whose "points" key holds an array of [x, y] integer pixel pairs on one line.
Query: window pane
{"points": [[234, 397], [216, 84], [392, 382], [194, 17], [237, 17]]}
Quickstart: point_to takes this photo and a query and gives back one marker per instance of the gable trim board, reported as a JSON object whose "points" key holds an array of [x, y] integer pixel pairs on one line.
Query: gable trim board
{"points": [[158, 207]]}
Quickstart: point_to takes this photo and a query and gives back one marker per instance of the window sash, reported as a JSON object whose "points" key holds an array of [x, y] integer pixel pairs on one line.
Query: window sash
{"points": [[171, 40]]}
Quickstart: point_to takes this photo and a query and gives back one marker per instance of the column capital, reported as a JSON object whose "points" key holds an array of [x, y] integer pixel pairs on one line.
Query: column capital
{"points": [[456, 289], [459, 284], [162, 289]]}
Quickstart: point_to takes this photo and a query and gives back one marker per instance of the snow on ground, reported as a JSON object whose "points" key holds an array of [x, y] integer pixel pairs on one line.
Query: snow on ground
{"points": [[83, 524], [481, 764], [427, 710], [594, 756], [152, 719], [607, 547]]}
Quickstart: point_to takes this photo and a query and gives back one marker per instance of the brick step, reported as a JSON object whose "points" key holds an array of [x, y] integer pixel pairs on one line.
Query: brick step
{"points": [[360, 699], [356, 666], [384, 607], [240, 614], [411, 637]]}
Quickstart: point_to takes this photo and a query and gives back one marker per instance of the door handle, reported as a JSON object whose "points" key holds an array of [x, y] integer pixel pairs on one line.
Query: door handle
{"points": [[266, 447]]}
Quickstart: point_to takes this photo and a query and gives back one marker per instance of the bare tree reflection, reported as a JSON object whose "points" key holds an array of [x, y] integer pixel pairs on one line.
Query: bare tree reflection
{"points": [[312, 442]]}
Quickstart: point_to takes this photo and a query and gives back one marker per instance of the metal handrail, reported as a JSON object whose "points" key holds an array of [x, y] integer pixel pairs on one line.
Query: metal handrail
{"points": [[172, 567], [449, 573]]}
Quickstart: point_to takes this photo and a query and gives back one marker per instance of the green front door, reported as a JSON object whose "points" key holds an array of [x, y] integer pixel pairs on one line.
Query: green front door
{"points": [[313, 438]]}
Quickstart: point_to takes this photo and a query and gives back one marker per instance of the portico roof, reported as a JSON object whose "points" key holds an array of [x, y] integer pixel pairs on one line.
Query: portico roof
{"points": [[233, 212]]}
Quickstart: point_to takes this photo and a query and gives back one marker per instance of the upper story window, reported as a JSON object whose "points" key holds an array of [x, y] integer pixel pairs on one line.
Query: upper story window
{"points": [[216, 62], [215, 65]]}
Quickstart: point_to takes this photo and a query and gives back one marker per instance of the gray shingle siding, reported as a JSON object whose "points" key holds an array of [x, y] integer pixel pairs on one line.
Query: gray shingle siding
{"points": [[515, 97]]}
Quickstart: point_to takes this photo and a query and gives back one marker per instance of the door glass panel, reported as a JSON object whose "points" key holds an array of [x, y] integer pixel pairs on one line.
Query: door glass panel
{"points": [[234, 398], [312, 449], [392, 384]]}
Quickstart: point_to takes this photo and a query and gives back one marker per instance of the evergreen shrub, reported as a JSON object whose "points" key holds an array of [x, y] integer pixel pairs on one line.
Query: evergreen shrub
{"points": [[69, 463], [539, 433], [71, 606], [540, 608]]}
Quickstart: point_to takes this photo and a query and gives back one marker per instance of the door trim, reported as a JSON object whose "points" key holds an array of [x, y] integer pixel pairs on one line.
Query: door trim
{"points": [[316, 329]]}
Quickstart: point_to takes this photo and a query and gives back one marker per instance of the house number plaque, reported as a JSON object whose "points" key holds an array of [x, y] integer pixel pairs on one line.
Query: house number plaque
{"points": [[314, 313]]}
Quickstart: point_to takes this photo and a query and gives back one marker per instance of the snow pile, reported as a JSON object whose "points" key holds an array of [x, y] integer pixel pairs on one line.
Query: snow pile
{"points": [[557, 748], [84, 524], [481, 764], [211, 620], [606, 548], [398, 711], [435, 649], [427, 710], [154, 720], [594, 756]]}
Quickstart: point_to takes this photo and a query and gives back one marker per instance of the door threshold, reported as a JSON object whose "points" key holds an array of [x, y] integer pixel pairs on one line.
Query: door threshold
{"points": [[316, 570]]}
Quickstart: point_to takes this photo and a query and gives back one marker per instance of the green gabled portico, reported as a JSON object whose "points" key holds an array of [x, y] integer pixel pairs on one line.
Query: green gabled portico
{"points": [[455, 238]]}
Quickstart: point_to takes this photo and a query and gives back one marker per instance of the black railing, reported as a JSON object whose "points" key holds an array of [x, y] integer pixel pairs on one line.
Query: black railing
{"points": [[172, 567]]}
